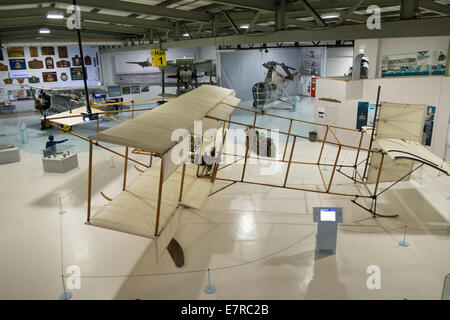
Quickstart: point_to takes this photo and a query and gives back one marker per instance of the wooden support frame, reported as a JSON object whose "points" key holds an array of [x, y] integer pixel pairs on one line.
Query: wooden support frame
{"points": [[158, 206], [287, 139], [290, 161], [125, 169], [377, 106], [89, 182], [180, 197]]}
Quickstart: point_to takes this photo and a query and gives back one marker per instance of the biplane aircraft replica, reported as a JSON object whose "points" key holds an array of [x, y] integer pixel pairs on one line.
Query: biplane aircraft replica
{"points": [[150, 206]]}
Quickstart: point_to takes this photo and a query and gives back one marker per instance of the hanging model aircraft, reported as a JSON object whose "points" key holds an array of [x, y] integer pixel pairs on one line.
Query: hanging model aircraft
{"points": [[143, 64], [273, 86]]}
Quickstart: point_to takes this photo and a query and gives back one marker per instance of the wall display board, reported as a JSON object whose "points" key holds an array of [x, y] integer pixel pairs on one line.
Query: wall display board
{"points": [[34, 52], [414, 64], [76, 73], [126, 90], [48, 51], [17, 64], [3, 67], [35, 64], [49, 63], [63, 64], [49, 76], [15, 52], [76, 61], [62, 52]]}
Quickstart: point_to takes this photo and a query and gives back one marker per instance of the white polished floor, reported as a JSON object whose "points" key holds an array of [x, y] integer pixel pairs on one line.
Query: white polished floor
{"points": [[258, 241]]}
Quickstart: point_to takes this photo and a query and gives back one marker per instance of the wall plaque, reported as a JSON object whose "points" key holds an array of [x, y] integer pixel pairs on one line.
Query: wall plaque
{"points": [[76, 61], [62, 52], [1, 54], [3, 67], [35, 64], [87, 60], [76, 73], [15, 52], [33, 79], [17, 64], [8, 81], [48, 51], [34, 52], [64, 76], [20, 80], [63, 64], [49, 63], [49, 76]]}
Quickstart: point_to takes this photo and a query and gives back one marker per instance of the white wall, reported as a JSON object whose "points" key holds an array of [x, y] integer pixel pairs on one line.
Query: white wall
{"points": [[338, 61], [376, 48]]}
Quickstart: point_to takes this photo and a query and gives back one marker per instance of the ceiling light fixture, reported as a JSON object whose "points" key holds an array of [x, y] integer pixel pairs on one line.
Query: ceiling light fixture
{"points": [[244, 26], [44, 30], [55, 15], [330, 16]]}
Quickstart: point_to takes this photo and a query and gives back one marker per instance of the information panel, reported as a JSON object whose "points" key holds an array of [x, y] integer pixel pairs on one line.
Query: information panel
{"points": [[158, 58]]}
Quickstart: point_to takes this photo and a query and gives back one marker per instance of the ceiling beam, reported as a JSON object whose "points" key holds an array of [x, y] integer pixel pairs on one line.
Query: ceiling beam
{"points": [[409, 9], [41, 12], [435, 7], [126, 7], [43, 22], [350, 10], [260, 5], [393, 29], [314, 14]]}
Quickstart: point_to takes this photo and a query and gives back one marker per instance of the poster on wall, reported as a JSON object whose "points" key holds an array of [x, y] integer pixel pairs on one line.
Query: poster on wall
{"points": [[77, 73], [310, 61], [17, 64], [34, 52], [135, 89], [114, 91], [428, 126], [15, 52], [49, 77], [366, 114], [47, 51], [126, 90], [419, 63]]}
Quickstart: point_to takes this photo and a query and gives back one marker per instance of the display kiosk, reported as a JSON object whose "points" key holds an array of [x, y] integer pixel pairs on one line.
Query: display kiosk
{"points": [[327, 220]]}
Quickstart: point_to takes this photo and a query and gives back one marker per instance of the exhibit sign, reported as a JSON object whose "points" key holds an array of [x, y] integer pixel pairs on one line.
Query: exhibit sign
{"points": [[366, 113], [428, 126], [421, 63], [17, 64], [158, 58]]}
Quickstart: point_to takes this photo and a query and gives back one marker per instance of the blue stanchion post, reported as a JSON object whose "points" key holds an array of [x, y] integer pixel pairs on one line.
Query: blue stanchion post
{"points": [[210, 288], [65, 295], [61, 210], [403, 242]]}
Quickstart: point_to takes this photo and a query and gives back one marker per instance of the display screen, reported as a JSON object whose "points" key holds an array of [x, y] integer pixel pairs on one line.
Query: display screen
{"points": [[327, 214]]}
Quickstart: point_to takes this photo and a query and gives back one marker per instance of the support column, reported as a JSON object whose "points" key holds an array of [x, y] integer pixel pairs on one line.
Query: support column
{"points": [[125, 169]]}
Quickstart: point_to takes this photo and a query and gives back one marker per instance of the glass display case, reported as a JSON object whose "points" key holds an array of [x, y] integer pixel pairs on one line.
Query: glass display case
{"points": [[59, 158]]}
